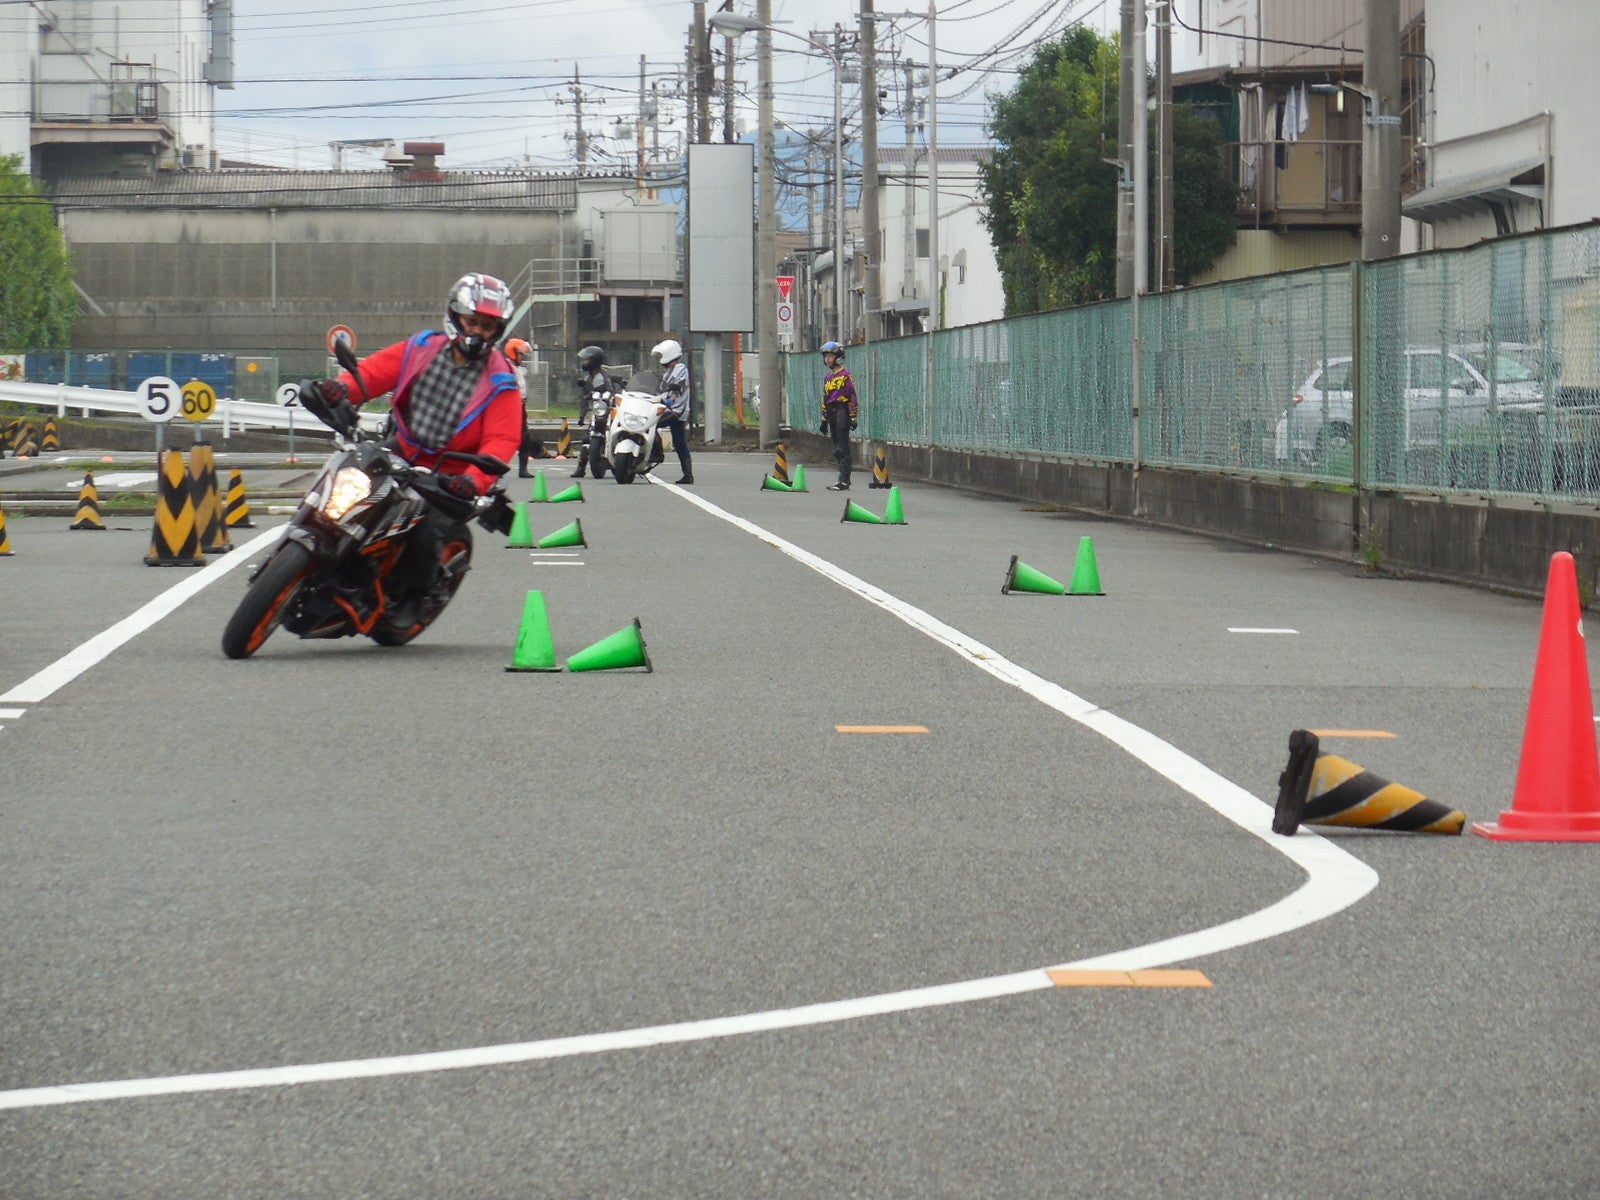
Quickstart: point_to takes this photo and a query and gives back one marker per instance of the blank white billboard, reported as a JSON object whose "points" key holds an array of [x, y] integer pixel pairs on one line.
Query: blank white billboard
{"points": [[722, 238]]}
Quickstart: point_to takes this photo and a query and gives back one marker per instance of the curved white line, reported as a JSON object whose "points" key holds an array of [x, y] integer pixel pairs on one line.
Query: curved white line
{"points": [[1335, 881]]}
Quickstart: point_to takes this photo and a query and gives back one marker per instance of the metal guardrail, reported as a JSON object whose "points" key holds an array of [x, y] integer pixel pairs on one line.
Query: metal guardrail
{"points": [[234, 415]]}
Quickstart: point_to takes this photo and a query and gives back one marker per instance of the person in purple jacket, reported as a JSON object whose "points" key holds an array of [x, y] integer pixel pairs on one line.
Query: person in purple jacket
{"points": [[840, 410]]}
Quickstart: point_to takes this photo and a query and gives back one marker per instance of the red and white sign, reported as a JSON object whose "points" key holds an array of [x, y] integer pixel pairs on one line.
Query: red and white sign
{"points": [[341, 333], [785, 286]]}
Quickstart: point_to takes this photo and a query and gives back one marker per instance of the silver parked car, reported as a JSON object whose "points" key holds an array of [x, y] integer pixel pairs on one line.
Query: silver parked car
{"points": [[1441, 388]]}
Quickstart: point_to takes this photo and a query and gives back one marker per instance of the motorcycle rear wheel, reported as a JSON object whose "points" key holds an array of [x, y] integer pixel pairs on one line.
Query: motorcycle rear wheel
{"points": [[270, 593], [455, 558]]}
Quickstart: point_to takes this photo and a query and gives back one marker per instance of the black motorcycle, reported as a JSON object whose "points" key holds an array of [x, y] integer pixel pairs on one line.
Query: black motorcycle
{"points": [[598, 418], [328, 576]]}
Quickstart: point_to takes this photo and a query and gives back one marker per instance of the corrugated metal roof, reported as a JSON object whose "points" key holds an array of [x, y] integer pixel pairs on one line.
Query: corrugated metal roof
{"points": [[517, 190], [949, 154]]}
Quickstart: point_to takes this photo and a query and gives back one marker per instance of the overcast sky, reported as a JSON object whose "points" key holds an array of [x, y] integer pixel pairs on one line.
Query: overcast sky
{"points": [[495, 81]]}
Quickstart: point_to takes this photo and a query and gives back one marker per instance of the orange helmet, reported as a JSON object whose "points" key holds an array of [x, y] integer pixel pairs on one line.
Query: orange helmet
{"points": [[516, 350]]}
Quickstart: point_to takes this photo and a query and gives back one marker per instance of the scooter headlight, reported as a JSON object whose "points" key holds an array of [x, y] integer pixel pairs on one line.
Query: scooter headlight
{"points": [[350, 487], [633, 422]]}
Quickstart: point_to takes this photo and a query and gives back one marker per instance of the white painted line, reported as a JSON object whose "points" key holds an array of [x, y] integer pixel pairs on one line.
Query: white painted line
{"points": [[123, 479], [541, 563], [67, 668], [1335, 880], [11, 714], [1247, 629]]}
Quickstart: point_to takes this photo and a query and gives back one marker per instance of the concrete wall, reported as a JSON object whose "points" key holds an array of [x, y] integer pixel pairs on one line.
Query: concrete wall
{"points": [[275, 281], [1501, 545]]}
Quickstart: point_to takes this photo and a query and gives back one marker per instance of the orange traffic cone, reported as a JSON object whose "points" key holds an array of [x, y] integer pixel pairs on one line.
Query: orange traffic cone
{"points": [[1558, 778]]}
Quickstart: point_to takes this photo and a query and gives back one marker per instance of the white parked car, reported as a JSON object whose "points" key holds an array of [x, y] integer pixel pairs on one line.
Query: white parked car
{"points": [[1440, 389]]}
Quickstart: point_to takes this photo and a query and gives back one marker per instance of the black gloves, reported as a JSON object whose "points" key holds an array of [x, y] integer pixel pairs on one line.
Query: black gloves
{"points": [[823, 428], [329, 401], [852, 426], [458, 486]]}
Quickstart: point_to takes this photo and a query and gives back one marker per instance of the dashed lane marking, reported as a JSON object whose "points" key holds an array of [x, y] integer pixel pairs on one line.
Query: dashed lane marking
{"points": [[880, 729], [1252, 629], [1352, 733]]}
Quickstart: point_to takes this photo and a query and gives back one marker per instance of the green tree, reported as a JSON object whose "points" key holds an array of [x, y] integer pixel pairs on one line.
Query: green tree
{"points": [[37, 303], [1052, 196]]}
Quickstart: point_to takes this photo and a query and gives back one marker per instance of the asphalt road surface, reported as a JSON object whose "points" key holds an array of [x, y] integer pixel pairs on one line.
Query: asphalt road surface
{"points": [[344, 921]]}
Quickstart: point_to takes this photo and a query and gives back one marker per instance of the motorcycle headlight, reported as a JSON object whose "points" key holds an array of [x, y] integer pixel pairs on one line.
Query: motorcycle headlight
{"points": [[633, 422], [350, 487]]}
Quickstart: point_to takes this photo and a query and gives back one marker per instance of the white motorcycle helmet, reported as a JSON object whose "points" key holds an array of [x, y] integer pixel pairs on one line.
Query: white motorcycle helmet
{"points": [[668, 352]]}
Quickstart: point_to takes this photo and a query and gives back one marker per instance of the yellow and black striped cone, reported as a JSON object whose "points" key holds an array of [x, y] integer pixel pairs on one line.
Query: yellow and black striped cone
{"points": [[8, 435], [236, 512], [174, 541], [880, 471], [780, 463], [52, 440], [564, 442], [5, 538], [213, 533], [1323, 789], [88, 516]]}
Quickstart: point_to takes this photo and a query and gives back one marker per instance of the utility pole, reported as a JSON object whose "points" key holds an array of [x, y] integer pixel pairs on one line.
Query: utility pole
{"points": [[908, 283], [701, 77], [1380, 143], [871, 244], [1166, 273], [727, 89], [582, 140], [1125, 154], [767, 239], [638, 133]]}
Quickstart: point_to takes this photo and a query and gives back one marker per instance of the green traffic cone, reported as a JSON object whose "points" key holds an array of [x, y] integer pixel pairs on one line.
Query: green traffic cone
{"points": [[567, 535], [1085, 575], [771, 483], [799, 482], [575, 492], [540, 494], [534, 650], [1020, 577], [623, 649], [854, 512], [521, 536], [894, 514]]}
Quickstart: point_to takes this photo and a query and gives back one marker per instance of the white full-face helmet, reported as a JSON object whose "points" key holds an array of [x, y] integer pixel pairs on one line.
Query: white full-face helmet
{"points": [[668, 352]]}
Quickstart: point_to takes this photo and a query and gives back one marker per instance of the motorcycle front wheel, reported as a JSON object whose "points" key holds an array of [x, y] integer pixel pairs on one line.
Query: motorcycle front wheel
{"points": [[623, 467], [269, 595]]}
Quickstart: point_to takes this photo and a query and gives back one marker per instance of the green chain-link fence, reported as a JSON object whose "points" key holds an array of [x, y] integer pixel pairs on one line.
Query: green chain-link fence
{"points": [[1474, 370]]}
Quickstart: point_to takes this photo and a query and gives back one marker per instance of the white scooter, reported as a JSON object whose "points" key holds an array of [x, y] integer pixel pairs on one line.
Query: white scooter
{"points": [[634, 417]]}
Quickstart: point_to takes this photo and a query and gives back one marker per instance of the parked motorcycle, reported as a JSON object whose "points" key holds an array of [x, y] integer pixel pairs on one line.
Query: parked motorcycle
{"points": [[328, 576], [599, 418], [632, 432]]}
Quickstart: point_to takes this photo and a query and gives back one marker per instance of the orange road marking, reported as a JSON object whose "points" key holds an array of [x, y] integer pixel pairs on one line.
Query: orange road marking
{"points": [[1176, 978], [880, 729], [1366, 733]]}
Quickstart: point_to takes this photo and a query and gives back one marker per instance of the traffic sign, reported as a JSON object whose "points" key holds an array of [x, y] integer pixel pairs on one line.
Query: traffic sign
{"points": [[159, 398], [289, 395], [199, 400], [341, 333], [785, 286], [786, 319]]}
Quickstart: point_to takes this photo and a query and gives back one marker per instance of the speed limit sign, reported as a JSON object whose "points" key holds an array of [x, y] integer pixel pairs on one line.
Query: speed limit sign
{"points": [[199, 400], [159, 399]]}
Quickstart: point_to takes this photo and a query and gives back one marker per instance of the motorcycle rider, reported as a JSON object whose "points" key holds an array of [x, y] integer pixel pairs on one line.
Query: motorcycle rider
{"points": [[452, 390], [675, 395], [592, 377]]}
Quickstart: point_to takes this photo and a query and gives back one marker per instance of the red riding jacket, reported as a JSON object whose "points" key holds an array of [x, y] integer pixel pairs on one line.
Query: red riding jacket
{"points": [[491, 424]]}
